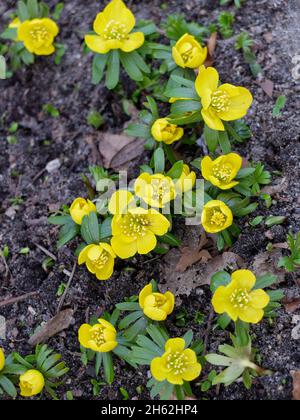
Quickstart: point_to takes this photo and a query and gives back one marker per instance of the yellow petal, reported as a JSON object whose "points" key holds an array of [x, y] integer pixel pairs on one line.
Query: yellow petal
{"points": [[177, 57], [175, 344], [174, 379], [134, 41], [119, 202], [156, 314], [192, 372], [171, 302], [109, 346], [84, 335], [157, 369], [35, 380], [97, 44], [212, 120], [190, 355], [240, 101], [107, 324], [2, 359], [244, 279], [116, 10], [45, 50], [220, 300], [108, 249], [207, 79], [50, 25], [84, 253], [146, 291], [147, 243], [251, 315], [106, 272], [206, 167], [236, 163], [259, 299], [123, 249], [159, 224]]}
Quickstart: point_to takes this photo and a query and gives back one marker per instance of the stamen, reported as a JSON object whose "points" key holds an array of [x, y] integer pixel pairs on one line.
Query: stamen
{"points": [[240, 298], [134, 225], [115, 30], [220, 101], [222, 172]]}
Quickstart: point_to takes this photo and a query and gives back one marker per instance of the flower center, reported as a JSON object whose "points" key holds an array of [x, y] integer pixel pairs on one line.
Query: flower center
{"points": [[115, 30], [98, 335], [160, 300], [217, 218], [101, 260], [222, 172], [240, 298], [160, 189], [26, 386], [177, 362], [39, 34], [134, 225], [220, 101], [186, 52]]}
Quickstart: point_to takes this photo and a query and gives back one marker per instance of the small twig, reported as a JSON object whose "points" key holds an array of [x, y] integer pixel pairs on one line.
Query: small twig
{"points": [[54, 258], [67, 287], [11, 301], [207, 332], [7, 270]]}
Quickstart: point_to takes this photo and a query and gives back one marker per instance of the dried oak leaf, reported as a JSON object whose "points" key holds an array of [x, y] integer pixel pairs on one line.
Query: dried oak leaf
{"points": [[191, 255], [296, 384], [267, 86], [211, 47], [266, 263], [118, 149], [58, 323], [276, 189], [292, 306]]}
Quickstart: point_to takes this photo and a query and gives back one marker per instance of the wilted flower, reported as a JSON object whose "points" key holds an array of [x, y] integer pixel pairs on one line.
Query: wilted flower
{"points": [[113, 27], [216, 216], [100, 337], [80, 208], [225, 102], [156, 306], [177, 364], [156, 190], [163, 131], [32, 382], [99, 259], [238, 299], [222, 171], [188, 52], [38, 35]]}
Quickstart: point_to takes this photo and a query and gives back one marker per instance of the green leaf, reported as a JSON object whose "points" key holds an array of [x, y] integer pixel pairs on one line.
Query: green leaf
{"points": [[159, 160], [90, 231], [182, 106], [170, 239], [156, 335], [129, 319], [146, 343], [98, 67], [128, 306], [222, 278], [223, 321], [211, 138], [139, 62], [130, 67], [138, 130], [218, 360], [105, 228], [243, 173], [224, 142], [22, 11], [264, 281], [176, 171], [188, 338], [279, 105], [274, 220], [33, 9], [135, 329], [256, 221], [57, 11], [59, 220], [98, 363], [229, 375], [108, 367], [67, 233], [113, 69], [8, 386]]}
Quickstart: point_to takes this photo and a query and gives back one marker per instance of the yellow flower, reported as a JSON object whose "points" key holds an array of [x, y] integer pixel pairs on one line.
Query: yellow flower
{"points": [[163, 130], [156, 190], [113, 27], [216, 216], [120, 201], [188, 52], [2, 359], [31, 383], [225, 102], [177, 364], [99, 337], [14, 24], [80, 208], [237, 299], [38, 35], [222, 171], [99, 259], [156, 306], [186, 181], [135, 231]]}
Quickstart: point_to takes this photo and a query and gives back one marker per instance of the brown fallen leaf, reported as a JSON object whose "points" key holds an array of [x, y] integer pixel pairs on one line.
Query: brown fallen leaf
{"points": [[281, 245], [60, 322], [197, 275], [267, 86], [190, 255], [291, 307], [118, 149], [296, 384], [266, 263], [276, 189], [211, 47]]}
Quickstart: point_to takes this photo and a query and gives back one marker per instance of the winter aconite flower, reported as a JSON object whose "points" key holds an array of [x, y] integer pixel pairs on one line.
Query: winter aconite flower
{"points": [[99, 259], [31, 383], [156, 190], [225, 102], [80, 208], [38, 35], [156, 306], [113, 27], [216, 216], [186, 181], [188, 52], [177, 364], [134, 229], [2, 359], [238, 299], [163, 131], [100, 337], [222, 171]]}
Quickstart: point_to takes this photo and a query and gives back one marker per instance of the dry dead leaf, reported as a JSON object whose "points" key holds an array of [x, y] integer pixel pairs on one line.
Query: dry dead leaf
{"points": [[268, 87], [276, 189], [211, 47], [292, 306], [60, 322], [190, 255], [296, 384], [266, 263], [281, 245], [118, 149], [197, 275]]}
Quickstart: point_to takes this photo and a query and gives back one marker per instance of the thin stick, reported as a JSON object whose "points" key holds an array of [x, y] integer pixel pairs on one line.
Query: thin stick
{"points": [[67, 287], [207, 332], [66, 272], [11, 301]]}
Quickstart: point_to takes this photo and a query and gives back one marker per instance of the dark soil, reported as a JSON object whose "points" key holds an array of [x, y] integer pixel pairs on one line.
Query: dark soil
{"points": [[41, 138]]}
